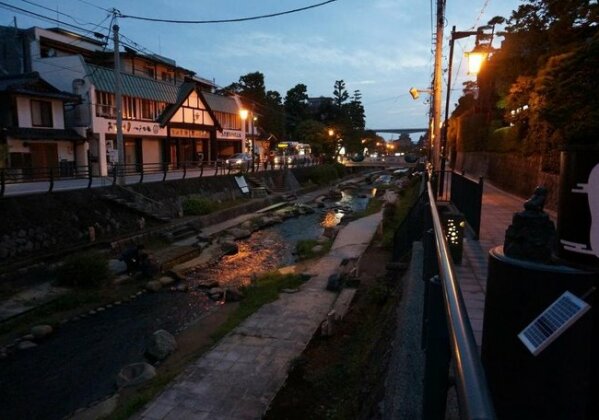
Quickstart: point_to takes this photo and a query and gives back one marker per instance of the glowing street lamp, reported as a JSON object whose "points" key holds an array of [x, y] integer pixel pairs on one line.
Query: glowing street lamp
{"points": [[244, 114], [476, 58]]}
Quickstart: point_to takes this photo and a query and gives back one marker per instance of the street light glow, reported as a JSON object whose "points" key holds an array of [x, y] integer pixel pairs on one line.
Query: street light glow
{"points": [[475, 61]]}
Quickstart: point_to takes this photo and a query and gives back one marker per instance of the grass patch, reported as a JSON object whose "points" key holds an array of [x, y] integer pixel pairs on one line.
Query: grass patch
{"points": [[339, 377], [74, 302], [266, 290], [142, 397], [305, 248], [374, 206], [197, 206], [87, 271], [394, 214]]}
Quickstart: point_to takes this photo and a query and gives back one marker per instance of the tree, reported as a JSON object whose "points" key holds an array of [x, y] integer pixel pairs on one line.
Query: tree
{"points": [[296, 107], [340, 94], [273, 115], [355, 109], [315, 133]]}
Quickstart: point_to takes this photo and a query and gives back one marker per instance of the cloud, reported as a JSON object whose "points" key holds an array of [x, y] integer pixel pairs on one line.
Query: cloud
{"points": [[316, 51]]}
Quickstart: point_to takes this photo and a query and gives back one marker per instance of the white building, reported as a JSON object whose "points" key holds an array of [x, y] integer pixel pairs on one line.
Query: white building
{"points": [[167, 110]]}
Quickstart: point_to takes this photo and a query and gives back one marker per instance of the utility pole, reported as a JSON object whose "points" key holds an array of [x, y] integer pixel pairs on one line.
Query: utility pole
{"points": [[120, 168], [437, 85]]}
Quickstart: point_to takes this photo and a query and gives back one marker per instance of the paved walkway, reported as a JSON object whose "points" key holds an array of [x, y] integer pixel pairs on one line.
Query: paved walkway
{"points": [[239, 376], [498, 209]]}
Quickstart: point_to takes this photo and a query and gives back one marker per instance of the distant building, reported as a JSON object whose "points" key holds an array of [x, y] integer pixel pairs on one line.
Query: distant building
{"points": [[33, 129], [167, 110]]}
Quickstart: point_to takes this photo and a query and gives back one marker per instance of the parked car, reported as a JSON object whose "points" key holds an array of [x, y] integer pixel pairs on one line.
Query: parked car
{"points": [[241, 161]]}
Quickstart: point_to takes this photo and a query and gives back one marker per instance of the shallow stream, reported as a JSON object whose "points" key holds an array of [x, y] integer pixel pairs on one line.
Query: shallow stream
{"points": [[78, 364]]}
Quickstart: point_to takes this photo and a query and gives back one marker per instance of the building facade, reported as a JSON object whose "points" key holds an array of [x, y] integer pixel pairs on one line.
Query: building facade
{"points": [[167, 111], [34, 140]]}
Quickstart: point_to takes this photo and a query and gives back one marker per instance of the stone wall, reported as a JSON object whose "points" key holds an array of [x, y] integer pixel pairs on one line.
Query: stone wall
{"points": [[51, 224], [512, 173]]}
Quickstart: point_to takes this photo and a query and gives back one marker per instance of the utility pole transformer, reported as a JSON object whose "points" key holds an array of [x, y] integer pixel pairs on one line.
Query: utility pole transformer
{"points": [[120, 168], [437, 86]]}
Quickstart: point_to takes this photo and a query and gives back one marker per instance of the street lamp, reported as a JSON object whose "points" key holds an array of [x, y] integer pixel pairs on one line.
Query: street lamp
{"points": [[243, 114], [475, 56]]}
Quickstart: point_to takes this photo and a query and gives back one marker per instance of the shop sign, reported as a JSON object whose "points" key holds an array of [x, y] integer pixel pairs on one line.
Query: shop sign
{"points": [[184, 132], [230, 134], [136, 127]]}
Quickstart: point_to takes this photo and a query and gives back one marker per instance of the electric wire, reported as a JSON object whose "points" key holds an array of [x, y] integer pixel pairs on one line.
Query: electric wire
{"points": [[61, 13], [95, 5], [29, 13], [243, 19]]}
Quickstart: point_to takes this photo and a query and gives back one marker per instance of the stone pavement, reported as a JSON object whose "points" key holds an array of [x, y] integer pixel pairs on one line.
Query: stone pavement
{"points": [[498, 207], [241, 374]]}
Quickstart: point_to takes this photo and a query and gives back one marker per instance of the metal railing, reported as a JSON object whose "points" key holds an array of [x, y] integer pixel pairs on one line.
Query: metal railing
{"points": [[467, 195], [464, 193], [447, 332], [48, 175], [70, 176]]}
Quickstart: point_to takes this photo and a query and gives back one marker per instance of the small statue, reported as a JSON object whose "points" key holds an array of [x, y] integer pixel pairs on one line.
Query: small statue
{"points": [[531, 235], [537, 201]]}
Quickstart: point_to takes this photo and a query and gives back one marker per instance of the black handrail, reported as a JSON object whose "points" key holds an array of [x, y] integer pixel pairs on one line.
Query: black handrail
{"points": [[472, 388]]}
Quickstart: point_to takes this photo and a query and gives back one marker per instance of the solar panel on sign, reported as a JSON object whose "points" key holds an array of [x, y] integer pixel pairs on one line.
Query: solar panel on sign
{"points": [[554, 320]]}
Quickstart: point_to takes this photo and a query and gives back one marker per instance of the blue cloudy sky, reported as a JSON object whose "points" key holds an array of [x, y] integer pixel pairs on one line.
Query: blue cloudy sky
{"points": [[380, 47]]}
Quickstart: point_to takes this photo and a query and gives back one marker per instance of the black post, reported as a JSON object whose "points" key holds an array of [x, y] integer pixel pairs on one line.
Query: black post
{"points": [[89, 175], [141, 173], [164, 170], [446, 120], [2, 182], [51, 180], [437, 354], [184, 169]]}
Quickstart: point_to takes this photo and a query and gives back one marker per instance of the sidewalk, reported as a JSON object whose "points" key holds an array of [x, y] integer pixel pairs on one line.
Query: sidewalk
{"points": [[404, 382], [239, 376], [498, 208]]}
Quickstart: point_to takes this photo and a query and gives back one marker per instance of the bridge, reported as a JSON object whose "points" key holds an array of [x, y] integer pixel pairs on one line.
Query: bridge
{"points": [[397, 130]]}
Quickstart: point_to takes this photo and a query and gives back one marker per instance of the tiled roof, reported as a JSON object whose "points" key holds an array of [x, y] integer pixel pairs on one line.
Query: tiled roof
{"points": [[133, 86], [221, 103], [31, 84]]}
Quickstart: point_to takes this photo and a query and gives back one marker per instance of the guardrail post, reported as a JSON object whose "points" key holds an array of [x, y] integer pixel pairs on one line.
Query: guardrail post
{"points": [[2, 182], [184, 169], [437, 354], [476, 226], [51, 187], [141, 175], [201, 169], [115, 169], [164, 170], [89, 175]]}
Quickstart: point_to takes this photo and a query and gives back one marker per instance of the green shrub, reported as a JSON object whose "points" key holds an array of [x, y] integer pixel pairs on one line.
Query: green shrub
{"points": [[324, 174], [197, 206], [304, 248], [86, 271], [504, 139]]}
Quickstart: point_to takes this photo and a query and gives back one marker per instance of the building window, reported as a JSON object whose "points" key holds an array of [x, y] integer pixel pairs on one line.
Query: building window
{"points": [[129, 108], [228, 120], [41, 113], [147, 109], [105, 105], [159, 109]]}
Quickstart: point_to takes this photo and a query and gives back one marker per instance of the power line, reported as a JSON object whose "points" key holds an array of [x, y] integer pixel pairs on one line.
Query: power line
{"points": [[62, 14], [95, 5], [243, 19], [26, 12]]}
